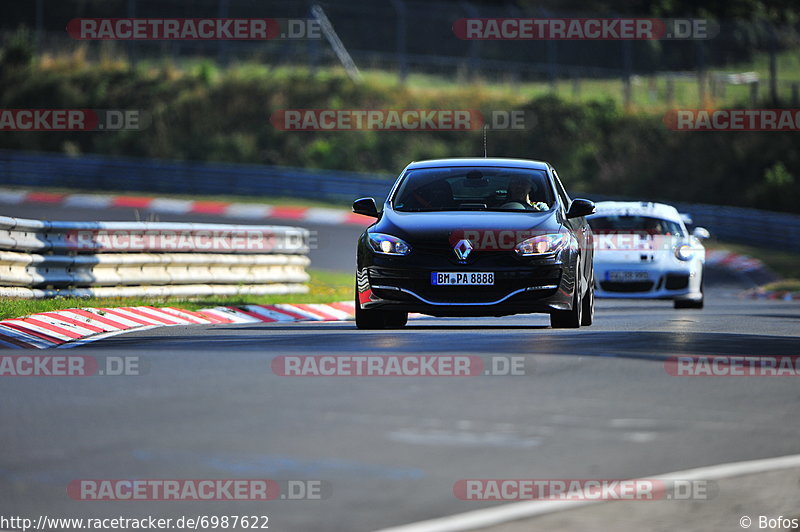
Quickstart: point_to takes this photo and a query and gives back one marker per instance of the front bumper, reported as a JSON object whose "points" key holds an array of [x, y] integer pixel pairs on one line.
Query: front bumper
{"points": [[517, 290], [670, 284]]}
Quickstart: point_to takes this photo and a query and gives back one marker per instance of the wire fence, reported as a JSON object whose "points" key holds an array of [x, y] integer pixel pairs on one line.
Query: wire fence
{"points": [[415, 36]]}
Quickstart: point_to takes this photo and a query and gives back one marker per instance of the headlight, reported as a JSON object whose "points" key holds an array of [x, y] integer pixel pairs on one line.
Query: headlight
{"points": [[543, 244], [684, 252], [387, 244]]}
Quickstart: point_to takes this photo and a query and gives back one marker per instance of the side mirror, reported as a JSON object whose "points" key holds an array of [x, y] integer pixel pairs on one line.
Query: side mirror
{"points": [[701, 233], [366, 206], [580, 207]]}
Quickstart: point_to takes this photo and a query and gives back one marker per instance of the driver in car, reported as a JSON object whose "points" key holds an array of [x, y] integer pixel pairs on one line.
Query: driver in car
{"points": [[519, 195]]}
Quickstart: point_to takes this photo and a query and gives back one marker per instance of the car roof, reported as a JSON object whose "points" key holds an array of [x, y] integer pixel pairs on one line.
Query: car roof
{"points": [[638, 208], [479, 161]]}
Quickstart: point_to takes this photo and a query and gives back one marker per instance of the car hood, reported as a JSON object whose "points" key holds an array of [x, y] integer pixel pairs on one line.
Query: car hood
{"points": [[432, 226]]}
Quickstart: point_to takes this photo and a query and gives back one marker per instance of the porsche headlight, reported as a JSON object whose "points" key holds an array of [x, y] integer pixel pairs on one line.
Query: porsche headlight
{"points": [[684, 252], [388, 244], [543, 244]]}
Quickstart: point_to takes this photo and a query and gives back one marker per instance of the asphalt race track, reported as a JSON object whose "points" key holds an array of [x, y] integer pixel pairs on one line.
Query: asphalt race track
{"points": [[593, 403]]}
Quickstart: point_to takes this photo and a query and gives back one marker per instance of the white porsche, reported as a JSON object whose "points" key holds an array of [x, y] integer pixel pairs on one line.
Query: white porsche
{"points": [[643, 250]]}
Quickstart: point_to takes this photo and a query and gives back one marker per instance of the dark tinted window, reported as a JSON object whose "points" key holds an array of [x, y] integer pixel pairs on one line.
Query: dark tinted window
{"points": [[634, 224], [465, 188]]}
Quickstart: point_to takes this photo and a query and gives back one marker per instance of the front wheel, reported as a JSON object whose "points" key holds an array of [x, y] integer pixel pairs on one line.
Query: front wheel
{"points": [[394, 319], [368, 319], [692, 303], [689, 303], [379, 319], [569, 319], [588, 304]]}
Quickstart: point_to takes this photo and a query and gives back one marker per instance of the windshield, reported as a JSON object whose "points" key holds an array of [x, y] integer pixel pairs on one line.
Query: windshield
{"points": [[634, 224], [479, 189]]}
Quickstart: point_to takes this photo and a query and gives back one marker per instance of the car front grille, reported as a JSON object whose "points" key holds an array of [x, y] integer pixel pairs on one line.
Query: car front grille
{"points": [[639, 286], [677, 281]]}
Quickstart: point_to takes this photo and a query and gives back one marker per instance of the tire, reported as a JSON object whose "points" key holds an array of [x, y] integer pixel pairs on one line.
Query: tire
{"points": [[395, 319], [689, 303], [587, 318], [369, 319], [692, 303], [568, 319], [379, 319]]}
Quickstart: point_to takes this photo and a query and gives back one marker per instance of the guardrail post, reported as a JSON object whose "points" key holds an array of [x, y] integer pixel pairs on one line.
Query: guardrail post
{"points": [[754, 94], [670, 91], [130, 43], [552, 63], [222, 12], [474, 45], [701, 73], [627, 68], [773, 67], [400, 39], [39, 25]]}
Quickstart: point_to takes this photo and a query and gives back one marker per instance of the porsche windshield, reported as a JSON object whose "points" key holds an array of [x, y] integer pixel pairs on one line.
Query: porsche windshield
{"points": [[474, 189], [618, 224]]}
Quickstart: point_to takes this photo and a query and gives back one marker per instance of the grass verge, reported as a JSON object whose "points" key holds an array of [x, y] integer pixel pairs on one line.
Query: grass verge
{"points": [[324, 287]]}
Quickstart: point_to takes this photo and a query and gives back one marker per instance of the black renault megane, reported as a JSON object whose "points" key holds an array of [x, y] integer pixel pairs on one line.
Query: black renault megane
{"points": [[475, 237]]}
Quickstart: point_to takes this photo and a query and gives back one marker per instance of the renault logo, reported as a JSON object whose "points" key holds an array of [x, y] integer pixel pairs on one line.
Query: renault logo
{"points": [[462, 249]]}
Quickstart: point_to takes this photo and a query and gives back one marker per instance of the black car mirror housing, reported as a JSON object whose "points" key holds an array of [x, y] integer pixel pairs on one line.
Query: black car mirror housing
{"points": [[366, 206], [580, 207]]}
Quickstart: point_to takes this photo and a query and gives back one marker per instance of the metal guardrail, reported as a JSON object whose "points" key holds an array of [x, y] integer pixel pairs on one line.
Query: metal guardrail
{"points": [[747, 226], [93, 172], [120, 259]]}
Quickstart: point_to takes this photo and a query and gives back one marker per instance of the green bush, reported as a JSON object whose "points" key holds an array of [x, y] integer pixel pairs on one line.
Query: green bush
{"points": [[205, 114]]}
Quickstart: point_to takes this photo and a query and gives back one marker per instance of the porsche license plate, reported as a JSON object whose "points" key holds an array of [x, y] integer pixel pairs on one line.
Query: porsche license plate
{"points": [[462, 278], [628, 277]]}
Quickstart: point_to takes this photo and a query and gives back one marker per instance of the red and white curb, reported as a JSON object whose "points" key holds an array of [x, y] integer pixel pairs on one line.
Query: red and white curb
{"points": [[733, 261], [253, 211], [744, 264], [781, 295], [78, 326]]}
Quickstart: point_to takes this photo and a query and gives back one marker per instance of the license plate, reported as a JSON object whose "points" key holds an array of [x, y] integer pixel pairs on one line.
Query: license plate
{"points": [[462, 278], [627, 277]]}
